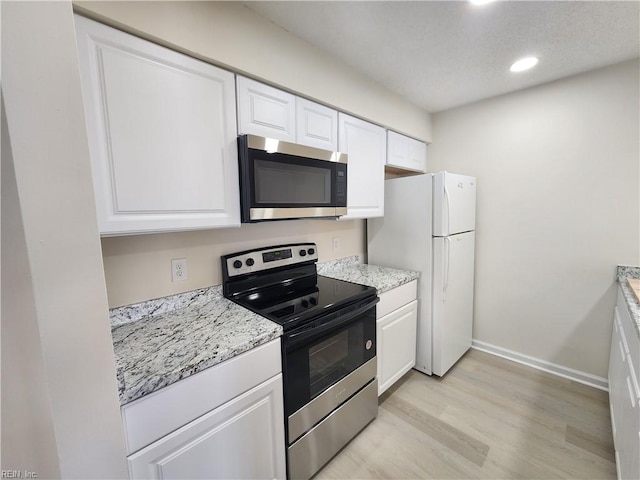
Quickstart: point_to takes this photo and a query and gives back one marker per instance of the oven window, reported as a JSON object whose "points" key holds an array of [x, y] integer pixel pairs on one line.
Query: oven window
{"points": [[327, 361], [285, 183], [315, 365]]}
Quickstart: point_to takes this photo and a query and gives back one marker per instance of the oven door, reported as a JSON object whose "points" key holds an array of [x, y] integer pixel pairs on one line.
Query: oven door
{"points": [[283, 180], [325, 363]]}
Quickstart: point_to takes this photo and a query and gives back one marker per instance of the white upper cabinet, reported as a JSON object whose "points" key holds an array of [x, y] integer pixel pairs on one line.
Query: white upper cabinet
{"points": [[366, 146], [406, 153], [316, 125], [162, 135], [265, 111]]}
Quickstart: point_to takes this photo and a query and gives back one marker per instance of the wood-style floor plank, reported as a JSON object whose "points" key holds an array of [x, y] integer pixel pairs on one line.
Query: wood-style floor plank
{"points": [[488, 418]]}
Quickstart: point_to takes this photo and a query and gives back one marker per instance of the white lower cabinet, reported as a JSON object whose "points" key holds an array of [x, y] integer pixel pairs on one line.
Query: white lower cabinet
{"points": [[240, 439], [224, 422], [397, 316], [624, 392]]}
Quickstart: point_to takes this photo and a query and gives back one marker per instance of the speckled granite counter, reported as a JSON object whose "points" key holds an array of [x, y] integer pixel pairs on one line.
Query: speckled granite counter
{"points": [[623, 273], [382, 278], [159, 342]]}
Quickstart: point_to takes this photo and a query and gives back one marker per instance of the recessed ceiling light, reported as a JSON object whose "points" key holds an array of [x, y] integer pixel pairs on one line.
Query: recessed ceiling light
{"points": [[480, 2], [524, 64]]}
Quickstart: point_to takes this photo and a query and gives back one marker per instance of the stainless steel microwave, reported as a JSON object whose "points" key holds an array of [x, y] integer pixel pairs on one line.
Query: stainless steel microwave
{"points": [[281, 180]]}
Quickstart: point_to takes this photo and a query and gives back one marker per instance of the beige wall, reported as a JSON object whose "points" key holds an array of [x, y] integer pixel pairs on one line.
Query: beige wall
{"points": [[61, 314], [558, 209], [28, 440], [231, 35], [139, 268]]}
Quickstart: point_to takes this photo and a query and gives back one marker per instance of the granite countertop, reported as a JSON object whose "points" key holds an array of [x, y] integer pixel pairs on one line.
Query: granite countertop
{"points": [[624, 273], [382, 278], [159, 342]]}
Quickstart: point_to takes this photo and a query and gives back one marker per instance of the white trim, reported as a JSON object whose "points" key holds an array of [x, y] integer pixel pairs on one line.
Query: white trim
{"points": [[559, 370]]}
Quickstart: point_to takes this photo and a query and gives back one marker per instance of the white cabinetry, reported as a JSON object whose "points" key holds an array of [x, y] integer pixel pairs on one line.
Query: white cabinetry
{"points": [[316, 125], [265, 111], [397, 315], [224, 422], [366, 145], [624, 392], [162, 135], [268, 112], [406, 153]]}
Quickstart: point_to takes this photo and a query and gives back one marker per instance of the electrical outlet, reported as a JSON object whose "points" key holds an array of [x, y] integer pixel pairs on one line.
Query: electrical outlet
{"points": [[179, 270], [336, 244]]}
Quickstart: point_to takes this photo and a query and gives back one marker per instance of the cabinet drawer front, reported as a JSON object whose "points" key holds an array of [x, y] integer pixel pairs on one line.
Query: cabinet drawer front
{"points": [[155, 415], [396, 298], [243, 438]]}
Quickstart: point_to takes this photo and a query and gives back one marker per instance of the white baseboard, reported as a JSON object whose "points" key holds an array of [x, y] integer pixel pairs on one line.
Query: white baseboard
{"points": [[564, 372]]}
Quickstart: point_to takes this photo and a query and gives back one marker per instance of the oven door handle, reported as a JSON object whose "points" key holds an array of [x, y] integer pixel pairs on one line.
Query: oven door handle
{"points": [[294, 338]]}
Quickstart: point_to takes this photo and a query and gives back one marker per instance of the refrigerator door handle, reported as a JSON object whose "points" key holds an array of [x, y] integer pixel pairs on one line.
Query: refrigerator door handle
{"points": [[447, 243], [445, 218]]}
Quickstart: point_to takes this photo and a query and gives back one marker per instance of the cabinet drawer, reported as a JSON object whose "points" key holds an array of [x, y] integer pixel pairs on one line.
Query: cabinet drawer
{"points": [[159, 413], [396, 298]]}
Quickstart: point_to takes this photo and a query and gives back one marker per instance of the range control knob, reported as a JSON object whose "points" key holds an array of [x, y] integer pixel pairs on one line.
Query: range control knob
{"points": [[303, 253], [237, 264], [313, 301], [250, 262], [311, 251], [304, 303]]}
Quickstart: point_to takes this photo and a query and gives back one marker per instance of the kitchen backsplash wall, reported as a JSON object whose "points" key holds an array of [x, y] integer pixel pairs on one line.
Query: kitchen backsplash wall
{"points": [[138, 268]]}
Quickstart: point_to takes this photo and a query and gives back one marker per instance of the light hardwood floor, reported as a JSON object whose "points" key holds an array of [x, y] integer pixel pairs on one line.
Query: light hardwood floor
{"points": [[487, 418]]}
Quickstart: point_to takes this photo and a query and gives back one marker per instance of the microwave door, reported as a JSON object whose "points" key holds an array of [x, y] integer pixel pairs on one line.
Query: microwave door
{"points": [[278, 186]]}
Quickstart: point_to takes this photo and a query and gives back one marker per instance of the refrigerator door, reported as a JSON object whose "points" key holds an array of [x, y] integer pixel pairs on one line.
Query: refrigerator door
{"points": [[452, 301], [454, 204]]}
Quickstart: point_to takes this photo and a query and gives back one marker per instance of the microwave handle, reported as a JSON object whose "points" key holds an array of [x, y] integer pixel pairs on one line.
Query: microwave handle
{"points": [[292, 339]]}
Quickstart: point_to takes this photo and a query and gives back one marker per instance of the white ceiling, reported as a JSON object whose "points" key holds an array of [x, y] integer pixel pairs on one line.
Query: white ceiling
{"points": [[449, 53]]}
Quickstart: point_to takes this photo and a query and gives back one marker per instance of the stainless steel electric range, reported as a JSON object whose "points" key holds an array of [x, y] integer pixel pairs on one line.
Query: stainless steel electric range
{"points": [[328, 347]]}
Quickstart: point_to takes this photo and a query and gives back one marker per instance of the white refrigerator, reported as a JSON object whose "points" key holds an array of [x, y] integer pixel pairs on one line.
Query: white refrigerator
{"points": [[429, 226]]}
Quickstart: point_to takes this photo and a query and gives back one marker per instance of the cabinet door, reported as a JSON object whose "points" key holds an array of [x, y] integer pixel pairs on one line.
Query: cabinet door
{"points": [[406, 153], [265, 111], [366, 145], [396, 335], [617, 384], [243, 438], [162, 135], [624, 392], [316, 125]]}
